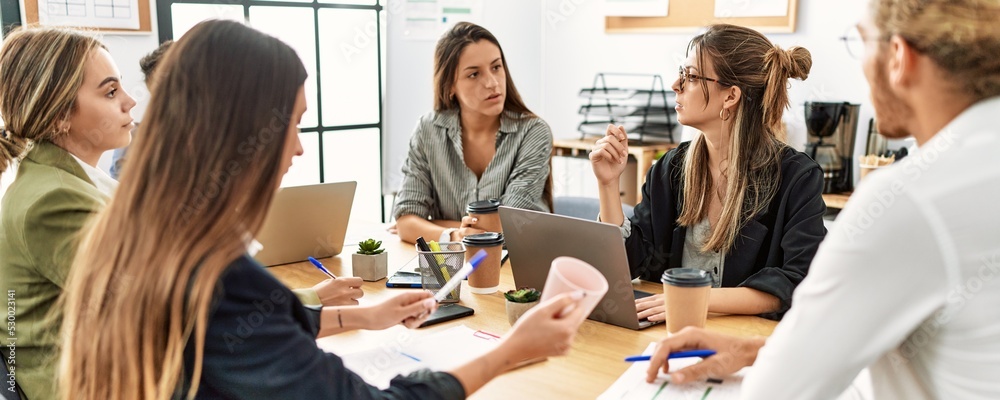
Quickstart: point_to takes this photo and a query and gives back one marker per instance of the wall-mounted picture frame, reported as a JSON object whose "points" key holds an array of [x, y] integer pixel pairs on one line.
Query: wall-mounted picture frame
{"points": [[110, 16]]}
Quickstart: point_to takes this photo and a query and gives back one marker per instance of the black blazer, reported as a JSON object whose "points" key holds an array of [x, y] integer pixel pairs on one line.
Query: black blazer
{"points": [[773, 251], [261, 344]]}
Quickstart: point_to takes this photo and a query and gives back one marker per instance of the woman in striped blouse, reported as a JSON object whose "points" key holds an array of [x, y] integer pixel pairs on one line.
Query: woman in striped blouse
{"points": [[481, 142]]}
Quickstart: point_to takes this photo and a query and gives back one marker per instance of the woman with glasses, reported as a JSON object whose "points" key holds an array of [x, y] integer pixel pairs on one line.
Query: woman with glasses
{"points": [[735, 202]]}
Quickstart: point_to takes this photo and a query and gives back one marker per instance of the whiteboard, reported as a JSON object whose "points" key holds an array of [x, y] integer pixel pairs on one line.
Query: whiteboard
{"points": [[409, 91]]}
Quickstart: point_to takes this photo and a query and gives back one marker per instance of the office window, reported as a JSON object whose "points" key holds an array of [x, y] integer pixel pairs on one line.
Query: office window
{"points": [[341, 45]]}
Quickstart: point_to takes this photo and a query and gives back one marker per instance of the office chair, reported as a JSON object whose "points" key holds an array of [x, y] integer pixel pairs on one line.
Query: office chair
{"points": [[582, 207]]}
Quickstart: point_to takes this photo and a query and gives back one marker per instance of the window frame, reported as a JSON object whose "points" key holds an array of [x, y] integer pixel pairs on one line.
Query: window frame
{"points": [[165, 28]]}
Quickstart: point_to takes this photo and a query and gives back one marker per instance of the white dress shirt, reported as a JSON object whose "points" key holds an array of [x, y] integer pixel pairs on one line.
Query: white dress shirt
{"points": [[907, 283], [101, 179]]}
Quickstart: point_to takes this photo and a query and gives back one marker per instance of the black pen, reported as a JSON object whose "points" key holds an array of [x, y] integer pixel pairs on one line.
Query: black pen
{"points": [[431, 262]]}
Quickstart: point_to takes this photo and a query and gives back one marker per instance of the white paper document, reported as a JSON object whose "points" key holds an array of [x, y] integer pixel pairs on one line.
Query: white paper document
{"points": [[751, 8], [632, 384], [636, 8], [437, 351], [117, 14]]}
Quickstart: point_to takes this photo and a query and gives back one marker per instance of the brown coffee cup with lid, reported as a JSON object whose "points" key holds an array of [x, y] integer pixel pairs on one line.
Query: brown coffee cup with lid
{"points": [[685, 297], [487, 213], [486, 278]]}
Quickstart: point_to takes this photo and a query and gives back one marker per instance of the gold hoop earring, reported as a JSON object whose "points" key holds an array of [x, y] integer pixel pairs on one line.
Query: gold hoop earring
{"points": [[727, 114]]}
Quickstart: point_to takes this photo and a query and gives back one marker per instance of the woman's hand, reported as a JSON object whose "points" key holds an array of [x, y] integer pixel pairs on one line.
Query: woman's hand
{"points": [[650, 307], [732, 354], [408, 308], [610, 155], [469, 227], [547, 329], [343, 291]]}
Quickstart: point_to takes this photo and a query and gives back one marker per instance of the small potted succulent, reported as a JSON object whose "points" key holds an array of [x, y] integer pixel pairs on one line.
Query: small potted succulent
{"points": [[371, 262], [520, 301]]}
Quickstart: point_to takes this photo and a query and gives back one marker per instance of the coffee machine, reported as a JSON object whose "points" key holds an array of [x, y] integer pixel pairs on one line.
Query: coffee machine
{"points": [[832, 128]]}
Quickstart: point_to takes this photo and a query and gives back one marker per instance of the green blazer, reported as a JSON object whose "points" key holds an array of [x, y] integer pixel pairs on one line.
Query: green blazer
{"points": [[41, 216]]}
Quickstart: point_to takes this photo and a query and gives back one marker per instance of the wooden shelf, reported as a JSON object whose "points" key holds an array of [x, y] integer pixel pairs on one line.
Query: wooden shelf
{"points": [[836, 200], [644, 154]]}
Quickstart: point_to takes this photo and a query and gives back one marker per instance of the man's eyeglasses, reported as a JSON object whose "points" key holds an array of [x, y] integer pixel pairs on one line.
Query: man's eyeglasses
{"points": [[684, 76], [854, 42]]}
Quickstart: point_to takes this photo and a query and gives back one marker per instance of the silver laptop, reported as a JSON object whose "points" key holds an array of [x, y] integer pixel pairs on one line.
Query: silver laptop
{"points": [[306, 221], [534, 239]]}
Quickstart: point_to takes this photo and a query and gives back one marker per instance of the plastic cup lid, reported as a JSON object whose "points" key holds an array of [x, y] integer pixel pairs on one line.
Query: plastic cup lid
{"points": [[686, 277], [483, 206], [483, 239]]}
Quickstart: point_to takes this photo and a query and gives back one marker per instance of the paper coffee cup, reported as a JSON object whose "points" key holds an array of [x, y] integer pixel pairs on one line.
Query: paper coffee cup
{"points": [[487, 212], [685, 296], [569, 274], [486, 278]]}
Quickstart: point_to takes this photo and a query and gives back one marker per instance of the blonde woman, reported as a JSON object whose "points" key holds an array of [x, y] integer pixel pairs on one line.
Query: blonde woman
{"points": [[163, 301], [63, 106], [735, 202]]}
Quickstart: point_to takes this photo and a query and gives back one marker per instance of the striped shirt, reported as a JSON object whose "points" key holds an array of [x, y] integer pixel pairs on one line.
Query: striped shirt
{"points": [[438, 185]]}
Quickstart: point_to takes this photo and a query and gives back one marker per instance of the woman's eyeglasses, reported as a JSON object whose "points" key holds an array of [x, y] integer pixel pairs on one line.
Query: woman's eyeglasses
{"points": [[686, 76]]}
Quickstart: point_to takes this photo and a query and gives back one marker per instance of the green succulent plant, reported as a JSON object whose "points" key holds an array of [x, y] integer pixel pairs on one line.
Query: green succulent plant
{"points": [[522, 295], [370, 247]]}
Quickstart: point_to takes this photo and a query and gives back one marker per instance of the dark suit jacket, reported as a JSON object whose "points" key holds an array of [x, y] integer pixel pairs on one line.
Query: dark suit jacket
{"points": [[261, 344], [773, 251]]}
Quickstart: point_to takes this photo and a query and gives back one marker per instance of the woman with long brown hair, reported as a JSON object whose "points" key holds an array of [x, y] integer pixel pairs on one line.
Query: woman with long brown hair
{"points": [[736, 201], [164, 301], [63, 106], [481, 142]]}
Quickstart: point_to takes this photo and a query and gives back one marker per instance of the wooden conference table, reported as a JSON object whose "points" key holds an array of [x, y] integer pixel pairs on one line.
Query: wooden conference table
{"points": [[594, 363]]}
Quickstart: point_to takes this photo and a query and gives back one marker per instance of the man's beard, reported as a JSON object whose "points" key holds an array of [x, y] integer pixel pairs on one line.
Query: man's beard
{"points": [[891, 112]]}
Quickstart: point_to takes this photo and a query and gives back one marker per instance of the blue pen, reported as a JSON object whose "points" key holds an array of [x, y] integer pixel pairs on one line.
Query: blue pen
{"points": [[679, 354], [321, 267], [461, 274]]}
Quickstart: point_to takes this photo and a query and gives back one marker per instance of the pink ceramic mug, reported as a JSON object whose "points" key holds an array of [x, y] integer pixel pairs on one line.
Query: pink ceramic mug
{"points": [[568, 275]]}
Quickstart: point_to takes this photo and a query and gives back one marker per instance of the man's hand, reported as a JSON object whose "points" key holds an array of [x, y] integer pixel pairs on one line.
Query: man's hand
{"points": [[731, 354]]}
